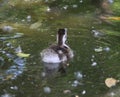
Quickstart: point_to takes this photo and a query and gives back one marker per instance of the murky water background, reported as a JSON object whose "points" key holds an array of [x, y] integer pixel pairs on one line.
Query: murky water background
{"points": [[33, 27]]}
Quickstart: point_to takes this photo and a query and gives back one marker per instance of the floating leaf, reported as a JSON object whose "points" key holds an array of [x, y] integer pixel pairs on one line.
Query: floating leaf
{"points": [[113, 18], [110, 82], [66, 91], [100, 49], [23, 55]]}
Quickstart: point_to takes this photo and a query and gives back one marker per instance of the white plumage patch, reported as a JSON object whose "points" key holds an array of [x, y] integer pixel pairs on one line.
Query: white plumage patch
{"points": [[50, 56], [60, 52]]}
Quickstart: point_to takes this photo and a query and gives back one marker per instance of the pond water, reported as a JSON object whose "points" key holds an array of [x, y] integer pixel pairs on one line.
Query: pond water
{"points": [[95, 44]]}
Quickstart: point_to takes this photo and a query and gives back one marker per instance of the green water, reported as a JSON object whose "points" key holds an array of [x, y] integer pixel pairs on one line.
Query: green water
{"points": [[95, 44]]}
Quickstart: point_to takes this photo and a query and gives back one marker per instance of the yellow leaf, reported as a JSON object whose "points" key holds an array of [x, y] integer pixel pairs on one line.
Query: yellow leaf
{"points": [[23, 55], [113, 18]]}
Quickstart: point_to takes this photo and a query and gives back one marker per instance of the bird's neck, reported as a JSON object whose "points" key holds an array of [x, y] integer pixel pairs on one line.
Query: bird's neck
{"points": [[61, 41]]}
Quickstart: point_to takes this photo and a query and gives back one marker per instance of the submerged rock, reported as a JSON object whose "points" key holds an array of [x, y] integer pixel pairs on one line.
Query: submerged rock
{"points": [[97, 33], [83, 92], [75, 83], [7, 28], [94, 64], [47, 89], [29, 18], [107, 49], [14, 87], [78, 75], [7, 95], [66, 91]]}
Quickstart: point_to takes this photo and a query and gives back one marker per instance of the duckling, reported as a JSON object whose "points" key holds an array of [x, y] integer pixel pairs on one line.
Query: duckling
{"points": [[59, 52]]}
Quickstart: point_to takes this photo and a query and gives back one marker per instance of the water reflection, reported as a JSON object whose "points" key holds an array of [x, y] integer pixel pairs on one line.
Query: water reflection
{"points": [[14, 71], [11, 36], [17, 67], [51, 69], [11, 65]]}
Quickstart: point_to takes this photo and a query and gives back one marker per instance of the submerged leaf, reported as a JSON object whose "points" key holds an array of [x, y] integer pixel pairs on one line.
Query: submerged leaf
{"points": [[36, 25], [8, 77], [66, 91], [110, 82], [23, 55]]}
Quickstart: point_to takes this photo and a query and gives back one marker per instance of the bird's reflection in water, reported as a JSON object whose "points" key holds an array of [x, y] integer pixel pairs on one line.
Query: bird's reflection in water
{"points": [[52, 69]]}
